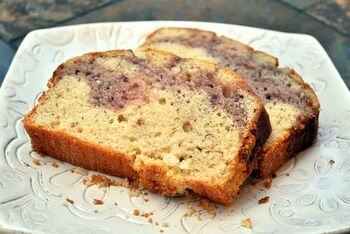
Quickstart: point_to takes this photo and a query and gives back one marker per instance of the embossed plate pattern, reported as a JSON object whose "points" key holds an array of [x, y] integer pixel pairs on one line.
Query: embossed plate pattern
{"points": [[311, 193]]}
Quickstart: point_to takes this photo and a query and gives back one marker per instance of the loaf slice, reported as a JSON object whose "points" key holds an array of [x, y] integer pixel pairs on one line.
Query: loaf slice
{"points": [[292, 105], [173, 124]]}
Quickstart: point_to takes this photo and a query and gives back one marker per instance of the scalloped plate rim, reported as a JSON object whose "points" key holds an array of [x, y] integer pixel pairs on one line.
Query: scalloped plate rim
{"points": [[335, 74]]}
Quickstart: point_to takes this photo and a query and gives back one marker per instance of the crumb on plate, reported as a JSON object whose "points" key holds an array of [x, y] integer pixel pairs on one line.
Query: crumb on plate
{"points": [[264, 200], [70, 201], [136, 212], [207, 206], [247, 223], [98, 202], [80, 171], [104, 181]]}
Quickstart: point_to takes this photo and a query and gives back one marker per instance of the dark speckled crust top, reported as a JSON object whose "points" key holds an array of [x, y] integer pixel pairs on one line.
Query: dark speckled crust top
{"points": [[115, 90], [269, 82]]}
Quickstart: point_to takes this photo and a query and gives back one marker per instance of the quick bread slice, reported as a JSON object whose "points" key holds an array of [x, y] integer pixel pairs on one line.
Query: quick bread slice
{"points": [[173, 124], [292, 105]]}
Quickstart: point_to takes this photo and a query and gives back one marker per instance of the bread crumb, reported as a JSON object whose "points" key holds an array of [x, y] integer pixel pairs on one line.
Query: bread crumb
{"points": [[136, 212], [70, 201], [267, 183], [150, 220], [207, 206], [36, 162], [80, 171], [146, 214], [104, 181], [98, 202], [331, 162], [264, 200], [134, 193], [134, 189], [161, 230], [100, 180], [193, 212], [95, 211], [85, 180], [204, 204], [247, 223], [54, 164], [124, 183], [157, 223], [287, 174], [189, 212]]}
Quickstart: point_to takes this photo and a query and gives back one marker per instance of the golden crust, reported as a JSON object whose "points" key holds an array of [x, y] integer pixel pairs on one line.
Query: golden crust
{"points": [[300, 137], [153, 177], [92, 156], [88, 155]]}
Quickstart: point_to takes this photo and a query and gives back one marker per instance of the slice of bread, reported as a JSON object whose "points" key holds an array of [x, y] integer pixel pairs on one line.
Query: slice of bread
{"points": [[292, 105], [173, 124]]}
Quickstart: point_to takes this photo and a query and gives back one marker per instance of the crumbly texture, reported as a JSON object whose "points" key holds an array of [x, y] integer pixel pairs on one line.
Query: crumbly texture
{"points": [[247, 223], [264, 200], [104, 181], [207, 206], [267, 183], [292, 105], [173, 124]]}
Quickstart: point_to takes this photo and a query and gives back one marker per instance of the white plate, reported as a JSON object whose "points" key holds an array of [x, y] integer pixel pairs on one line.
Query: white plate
{"points": [[311, 193]]}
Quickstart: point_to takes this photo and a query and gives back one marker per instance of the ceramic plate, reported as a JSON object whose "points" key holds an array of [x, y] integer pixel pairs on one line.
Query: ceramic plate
{"points": [[311, 193]]}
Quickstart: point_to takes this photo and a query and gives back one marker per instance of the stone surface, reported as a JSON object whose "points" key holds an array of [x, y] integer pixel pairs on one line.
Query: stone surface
{"points": [[334, 13], [18, 17], [6, 55], [272, 15], [301, 4]]}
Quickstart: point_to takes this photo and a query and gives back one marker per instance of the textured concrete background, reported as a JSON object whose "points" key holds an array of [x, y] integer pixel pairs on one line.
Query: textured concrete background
{"points": [[327, 20]]}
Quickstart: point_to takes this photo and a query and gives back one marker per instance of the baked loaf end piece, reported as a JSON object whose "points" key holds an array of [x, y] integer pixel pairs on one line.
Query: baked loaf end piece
{"points": [[292, 105], [174, 124]]}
